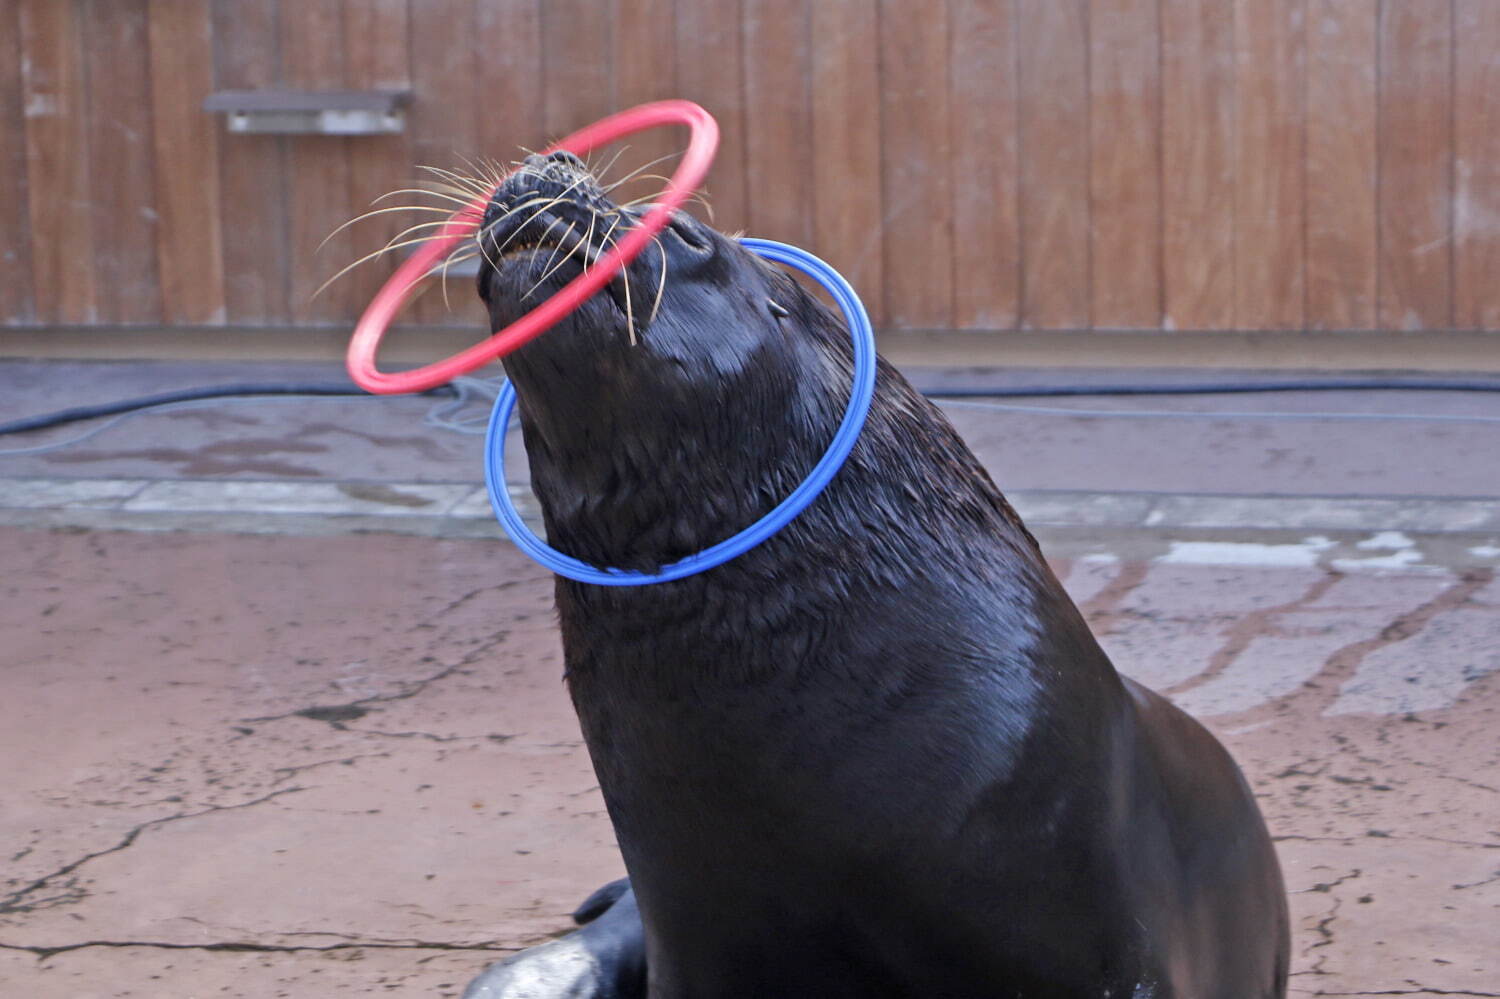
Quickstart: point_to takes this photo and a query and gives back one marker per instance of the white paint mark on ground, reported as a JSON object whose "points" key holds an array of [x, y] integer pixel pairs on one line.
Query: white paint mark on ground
{"points": [[1303, 555]]}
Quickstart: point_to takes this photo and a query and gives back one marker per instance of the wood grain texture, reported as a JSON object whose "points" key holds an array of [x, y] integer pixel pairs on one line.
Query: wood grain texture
{"points": [[508, 80], [444, 125], [376, 58], [917, 181], [1198, 102], [576, 64], [645, 69], [57, 161], [1055, 164], [982, 164], [846, 144], [1342, 235], [17, 296], [778, 119], [1416, 163], [1126, 167], [121, 167], [312, 58], [985, 109], [1476, 212], [189, 241], [1270, 44], [710, 70], [252, 170]]}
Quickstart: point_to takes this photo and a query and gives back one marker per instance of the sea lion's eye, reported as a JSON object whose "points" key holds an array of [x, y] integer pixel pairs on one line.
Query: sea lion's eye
{"points": [[777, 310]]}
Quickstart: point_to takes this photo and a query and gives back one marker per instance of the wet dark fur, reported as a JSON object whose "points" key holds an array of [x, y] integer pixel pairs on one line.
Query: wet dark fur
{"points": [[881, 754]]}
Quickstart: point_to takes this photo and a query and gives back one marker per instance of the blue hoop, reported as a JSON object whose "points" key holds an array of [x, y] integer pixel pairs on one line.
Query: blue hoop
{"points": [[823, 472]]}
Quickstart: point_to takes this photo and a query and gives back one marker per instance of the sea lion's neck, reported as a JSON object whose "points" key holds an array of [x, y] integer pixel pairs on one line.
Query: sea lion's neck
{"points": [[636, 472]]}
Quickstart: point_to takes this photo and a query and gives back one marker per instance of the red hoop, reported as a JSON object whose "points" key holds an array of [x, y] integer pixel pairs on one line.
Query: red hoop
{"points": [[388, 301]]}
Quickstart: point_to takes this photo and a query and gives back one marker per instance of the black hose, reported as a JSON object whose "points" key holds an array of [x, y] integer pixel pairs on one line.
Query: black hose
{"points": [[77, 413], [97, 410], [1219, 388]]}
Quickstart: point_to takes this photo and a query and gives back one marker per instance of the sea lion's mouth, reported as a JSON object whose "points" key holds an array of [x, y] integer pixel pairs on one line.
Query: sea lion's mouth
{"points": [[551, 220]]}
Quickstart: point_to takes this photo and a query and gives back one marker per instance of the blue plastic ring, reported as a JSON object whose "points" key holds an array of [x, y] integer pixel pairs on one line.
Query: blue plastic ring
{"points": [[862, 392]]}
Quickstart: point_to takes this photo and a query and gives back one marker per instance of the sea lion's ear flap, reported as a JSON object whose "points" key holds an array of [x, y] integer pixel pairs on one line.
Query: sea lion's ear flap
{"points": [[777, 309]]}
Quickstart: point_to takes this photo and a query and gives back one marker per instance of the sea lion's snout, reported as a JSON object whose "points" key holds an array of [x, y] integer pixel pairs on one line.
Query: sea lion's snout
{"points": [[551, 203]]}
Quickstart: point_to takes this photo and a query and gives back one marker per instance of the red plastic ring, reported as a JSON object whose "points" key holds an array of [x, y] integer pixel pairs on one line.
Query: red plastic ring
{"points": [[690, 172]]}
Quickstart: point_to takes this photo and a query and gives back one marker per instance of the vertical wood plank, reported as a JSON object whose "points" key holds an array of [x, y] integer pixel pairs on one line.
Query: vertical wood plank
{"points": [[1268, 206], [1416, 150], [17, 298], [1125, 172], [1198, 97], [53, 74], [508, 77], [711, 71], [846, 144], [444, 119], [778, 119], [312, 58], [917, 175], [986, 165], [1055, 164], [189, 244], [121, 177], [645, 69], [1477, 169], [576, 64], [376, 58], [252, 170], [1341, 128]]}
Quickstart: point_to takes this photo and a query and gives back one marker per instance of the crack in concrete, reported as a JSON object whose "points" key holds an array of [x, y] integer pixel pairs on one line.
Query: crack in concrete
{"points": [[44, 953], [336, 714], [18, 902], [472, 594], [491, 737], [1247, 628], [1409, 992], [1102, 610], [1328, 886], [286, 773], [1478, 884]]}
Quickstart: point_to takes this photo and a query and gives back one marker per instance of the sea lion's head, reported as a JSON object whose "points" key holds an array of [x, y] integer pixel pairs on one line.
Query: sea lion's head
{"points": [[679, 404]]}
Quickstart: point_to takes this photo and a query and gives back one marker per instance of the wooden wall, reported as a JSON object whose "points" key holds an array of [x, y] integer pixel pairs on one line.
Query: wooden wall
{"points": [[979, 164]]}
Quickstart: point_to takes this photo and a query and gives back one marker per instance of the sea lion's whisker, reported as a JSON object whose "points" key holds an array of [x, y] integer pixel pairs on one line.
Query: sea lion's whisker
{"points": [[661, 285], [463, 182], [367, 258], [572, 228], [636, 173], [608, 240], [461, 202], [541, 241], [606, 168], [380, 211], [587, 242], [522, 227]]}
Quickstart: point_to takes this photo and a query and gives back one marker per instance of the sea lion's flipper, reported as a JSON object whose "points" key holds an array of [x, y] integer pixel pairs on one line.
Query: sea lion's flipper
{"points": [[600, 901], [605, 959]]}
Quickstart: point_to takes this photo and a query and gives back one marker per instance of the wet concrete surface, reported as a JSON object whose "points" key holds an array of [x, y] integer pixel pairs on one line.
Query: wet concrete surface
{"points": [[377, 440], [264, 766], [277, 747]]}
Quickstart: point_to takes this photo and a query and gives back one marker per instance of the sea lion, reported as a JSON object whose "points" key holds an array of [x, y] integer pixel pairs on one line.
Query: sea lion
{"points": [[880, 755]]}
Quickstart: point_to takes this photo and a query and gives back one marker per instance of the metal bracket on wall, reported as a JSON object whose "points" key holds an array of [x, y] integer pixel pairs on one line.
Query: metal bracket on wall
{"points": [[312, 112]]}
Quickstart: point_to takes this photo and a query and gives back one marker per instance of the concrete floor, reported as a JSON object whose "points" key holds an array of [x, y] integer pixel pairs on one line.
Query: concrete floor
{"points": [[267, 766], [310, 762]]}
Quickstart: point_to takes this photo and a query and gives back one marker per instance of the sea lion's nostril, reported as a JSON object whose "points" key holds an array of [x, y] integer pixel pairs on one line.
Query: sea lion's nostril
{"points": [[566, 158]]}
